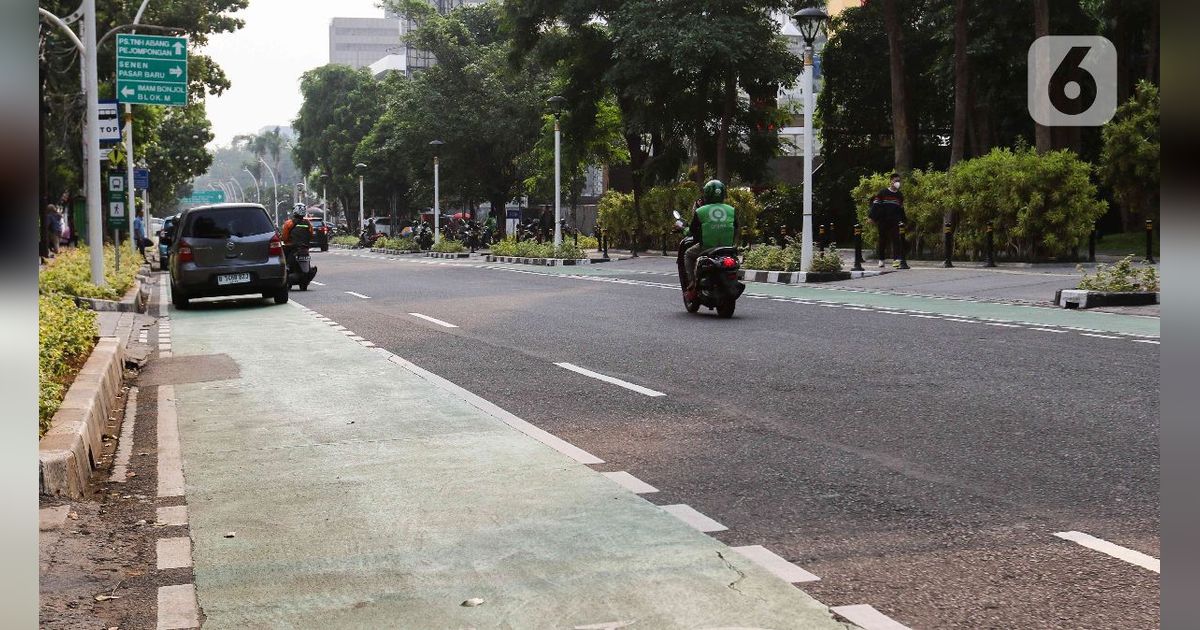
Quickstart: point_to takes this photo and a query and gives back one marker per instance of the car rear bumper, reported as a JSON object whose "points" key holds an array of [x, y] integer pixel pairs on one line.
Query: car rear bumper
{"points": [[202, 281]]}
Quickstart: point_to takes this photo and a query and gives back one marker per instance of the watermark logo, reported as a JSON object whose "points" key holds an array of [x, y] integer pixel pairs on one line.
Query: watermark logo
{"points": [[1072, 80]]}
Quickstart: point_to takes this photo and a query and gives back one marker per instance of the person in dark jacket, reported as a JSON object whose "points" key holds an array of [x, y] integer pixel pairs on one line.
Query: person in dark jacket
{"points": [[887, 213]]}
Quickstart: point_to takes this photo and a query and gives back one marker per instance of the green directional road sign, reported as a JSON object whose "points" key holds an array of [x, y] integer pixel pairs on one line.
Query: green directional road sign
{"points": [[152, 70], [202, 197]]}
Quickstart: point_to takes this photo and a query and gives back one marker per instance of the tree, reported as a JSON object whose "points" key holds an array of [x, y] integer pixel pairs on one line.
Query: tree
{"points": [[1041, 28], [340, 107], [1129, 162], [902, 128]]}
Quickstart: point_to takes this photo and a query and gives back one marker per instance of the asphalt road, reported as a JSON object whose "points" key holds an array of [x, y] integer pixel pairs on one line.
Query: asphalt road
{"points": [[919, 465]]}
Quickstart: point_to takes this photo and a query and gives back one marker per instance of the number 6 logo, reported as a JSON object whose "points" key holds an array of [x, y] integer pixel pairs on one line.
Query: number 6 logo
{"points": [[1072, 81]]}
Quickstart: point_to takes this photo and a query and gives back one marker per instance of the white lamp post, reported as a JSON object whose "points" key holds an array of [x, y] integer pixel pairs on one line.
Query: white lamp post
{"points": [[361, 168], [810, 21], [275, 193], [437, 213], [241, 191], [324, 199], [257, 190], [557, 103]]}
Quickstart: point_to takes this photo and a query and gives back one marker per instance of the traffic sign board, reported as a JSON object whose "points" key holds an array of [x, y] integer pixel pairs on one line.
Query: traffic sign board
{"points": [[152, 69], [141, 178], [201, 197], [110, 121]]}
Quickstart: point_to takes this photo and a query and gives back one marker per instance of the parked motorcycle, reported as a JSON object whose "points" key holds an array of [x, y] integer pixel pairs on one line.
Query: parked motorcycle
{"points": [[717, 285], [424, 236]]}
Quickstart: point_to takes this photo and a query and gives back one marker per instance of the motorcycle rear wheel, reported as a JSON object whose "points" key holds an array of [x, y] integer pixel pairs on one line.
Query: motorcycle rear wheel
{"points": [[725, 311]]}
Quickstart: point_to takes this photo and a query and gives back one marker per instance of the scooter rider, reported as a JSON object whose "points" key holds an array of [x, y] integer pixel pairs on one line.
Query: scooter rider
{"points": [[714, 224], [296, 231]]}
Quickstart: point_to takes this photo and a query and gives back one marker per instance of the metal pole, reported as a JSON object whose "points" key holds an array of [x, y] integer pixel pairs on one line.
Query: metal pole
{"points": [[437, 214], [92, 153], [948, 244], [557, 185], [241, 191], [991, 251], [1150, 241], [257, 190], [275, 193], [360, 202], [130, 211], [806, 246], [858, 257]]}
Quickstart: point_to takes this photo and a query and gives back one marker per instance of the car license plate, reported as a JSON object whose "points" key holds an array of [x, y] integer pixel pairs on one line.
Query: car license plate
{"points": [[233, 278]]}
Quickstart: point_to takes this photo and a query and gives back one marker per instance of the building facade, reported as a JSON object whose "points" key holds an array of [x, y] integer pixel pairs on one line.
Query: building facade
{"points": [[360, 42]]}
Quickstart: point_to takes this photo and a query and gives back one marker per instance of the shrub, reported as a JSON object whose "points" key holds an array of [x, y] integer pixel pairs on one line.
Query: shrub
{"points": [[449, 245], [70, 273], [1129, 161], [827, 261], [569, 251], [587, 242], [773, 257], [1123, 277], [344, 239], [66, 335], [532, 249], [402, 244]]}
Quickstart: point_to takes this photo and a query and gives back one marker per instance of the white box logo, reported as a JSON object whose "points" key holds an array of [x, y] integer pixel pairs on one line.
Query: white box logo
{"points": [[1072, 80]]}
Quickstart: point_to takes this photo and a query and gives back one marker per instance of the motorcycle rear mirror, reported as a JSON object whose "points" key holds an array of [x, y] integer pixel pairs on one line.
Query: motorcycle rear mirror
{"points": [[676, 214]]}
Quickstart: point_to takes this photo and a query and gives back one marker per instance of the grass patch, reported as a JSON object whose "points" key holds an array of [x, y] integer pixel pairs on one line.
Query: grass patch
{"points": [[66, 336], [449, 246], [344, 239]]}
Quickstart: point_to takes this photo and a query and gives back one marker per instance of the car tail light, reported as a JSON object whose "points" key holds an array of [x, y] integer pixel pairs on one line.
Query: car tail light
{"points": [[728, 262], [276, 246], [185, 252]]}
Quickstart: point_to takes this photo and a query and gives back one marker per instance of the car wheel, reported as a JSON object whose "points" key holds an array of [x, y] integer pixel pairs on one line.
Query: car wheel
{"points": [[324, 248], [281, 297], [303, 286], [179, 298]]}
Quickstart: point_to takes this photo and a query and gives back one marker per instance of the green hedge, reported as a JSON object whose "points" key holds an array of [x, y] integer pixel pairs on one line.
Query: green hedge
{"points": [[70, 273], [1041, 206], [344, 239], [66, 335], [533, 249], [449, 246], [402, 244]]}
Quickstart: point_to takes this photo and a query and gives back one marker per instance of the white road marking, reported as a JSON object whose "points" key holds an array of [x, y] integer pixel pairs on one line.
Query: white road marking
{"points": [[1099, 336], [434, 320], [857, 308], [629, 482], [774, 563], [367, 344], [1146, 341], [866, 617], [125, 446], [1114, 550], [1049, 330], [608, 379], [174, 553], [171, 515], [359, 295], [689, 515], [170, 464], [961, 321], [177, 607], [923, 316], [1002, 325], [320, 284]]}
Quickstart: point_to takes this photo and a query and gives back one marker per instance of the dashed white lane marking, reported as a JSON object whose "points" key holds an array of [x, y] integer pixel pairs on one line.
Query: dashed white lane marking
{"points": [[320, 284], [1146, 341], [923, 316], [630, 483], [772, 562], [866, 617], [1002, 324], [125, 446], [434, 320], [359, 295], [689, 515], [608, 379], [1117, 551], [171, 515], [177, 607], [170, 464], [1099, 336], [174, 553], [1049, 330]]}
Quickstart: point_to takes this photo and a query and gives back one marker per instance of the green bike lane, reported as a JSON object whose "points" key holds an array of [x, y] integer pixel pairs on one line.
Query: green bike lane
{"points": [[331, 484]]}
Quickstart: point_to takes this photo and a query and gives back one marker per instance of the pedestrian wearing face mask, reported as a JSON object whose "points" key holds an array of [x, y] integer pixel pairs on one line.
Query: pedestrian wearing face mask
{"points": [[887, 213]]}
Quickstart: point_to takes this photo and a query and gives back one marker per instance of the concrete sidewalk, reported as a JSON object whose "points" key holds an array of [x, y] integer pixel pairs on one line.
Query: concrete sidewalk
{"points": [[364, 492]]}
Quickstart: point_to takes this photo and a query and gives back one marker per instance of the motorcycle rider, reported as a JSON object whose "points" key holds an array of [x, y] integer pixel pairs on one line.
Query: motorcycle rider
{"points": [[296, 233], [714, 224]]}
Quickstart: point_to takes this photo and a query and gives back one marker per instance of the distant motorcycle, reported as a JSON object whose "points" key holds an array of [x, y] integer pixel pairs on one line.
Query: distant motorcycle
{"points": [[717, 283]]}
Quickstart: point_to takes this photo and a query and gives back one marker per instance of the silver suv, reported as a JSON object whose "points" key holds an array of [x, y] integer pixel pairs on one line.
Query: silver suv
{"points": [[226, 249]]}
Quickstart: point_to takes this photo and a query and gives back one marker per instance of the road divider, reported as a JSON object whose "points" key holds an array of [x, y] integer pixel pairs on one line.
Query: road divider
{"points": [[1117, 551], [434, 320], [608, 379]]}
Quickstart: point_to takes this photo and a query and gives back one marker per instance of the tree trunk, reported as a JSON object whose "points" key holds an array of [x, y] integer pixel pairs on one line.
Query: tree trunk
{"points": [[902, 131], [728, 104], [962, 79], [1041, 28], [1152, 44]]}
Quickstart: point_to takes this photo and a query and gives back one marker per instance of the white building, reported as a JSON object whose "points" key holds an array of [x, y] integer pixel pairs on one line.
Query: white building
{"points": [[405, 58], [360, 42]]}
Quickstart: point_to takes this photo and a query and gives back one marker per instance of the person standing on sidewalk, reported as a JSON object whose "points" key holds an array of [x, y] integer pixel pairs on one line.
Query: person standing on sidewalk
{"points": [[53, 229], [887, 213], [139, 236]]}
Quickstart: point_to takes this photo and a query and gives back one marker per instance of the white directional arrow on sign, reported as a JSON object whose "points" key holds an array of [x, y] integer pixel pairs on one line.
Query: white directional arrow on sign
{"points": [[126, 92], [176, 71], [178, 48]]}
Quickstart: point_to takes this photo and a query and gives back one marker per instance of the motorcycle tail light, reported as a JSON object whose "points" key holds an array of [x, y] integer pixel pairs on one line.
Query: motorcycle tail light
{"points": [[728, 262], [276, 247]]}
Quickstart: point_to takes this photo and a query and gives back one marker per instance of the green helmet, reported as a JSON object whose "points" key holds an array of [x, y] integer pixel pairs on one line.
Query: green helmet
{"points": [[714, 192]]}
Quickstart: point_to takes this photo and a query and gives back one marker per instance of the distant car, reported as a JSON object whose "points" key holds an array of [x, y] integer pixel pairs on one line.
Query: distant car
{"points": [[226, 249], [165, 235], [320, 233], [156, 224]]}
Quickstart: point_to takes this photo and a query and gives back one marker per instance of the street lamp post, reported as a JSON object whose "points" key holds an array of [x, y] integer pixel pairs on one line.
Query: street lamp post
{"points": [[557, 103], [324, 199], [257, 190], [241, 191], [437, 213], [810, 22], [275, 193], [361, 168]]}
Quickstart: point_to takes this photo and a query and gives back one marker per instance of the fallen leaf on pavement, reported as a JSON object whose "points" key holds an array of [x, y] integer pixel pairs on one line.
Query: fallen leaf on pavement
{"points": [[473, 602], [230, 534], [103, 598]]}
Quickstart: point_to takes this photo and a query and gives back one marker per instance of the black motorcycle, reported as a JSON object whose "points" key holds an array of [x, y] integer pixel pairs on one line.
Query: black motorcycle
{"points": [[300, 270], [717, 285]]}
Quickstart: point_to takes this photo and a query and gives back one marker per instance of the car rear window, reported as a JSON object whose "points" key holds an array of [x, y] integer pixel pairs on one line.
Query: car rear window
{"points": [[227, 222], [316, 222]]}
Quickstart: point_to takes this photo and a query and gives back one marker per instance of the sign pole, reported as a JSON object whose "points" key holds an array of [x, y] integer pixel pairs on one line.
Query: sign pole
{"points": [[95, 221], [131, 208]]}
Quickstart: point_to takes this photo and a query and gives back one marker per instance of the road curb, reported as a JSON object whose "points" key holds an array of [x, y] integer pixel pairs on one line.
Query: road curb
{"points": [[801, 277], [545, 262], [134, 300], [1082, 298], [69, 450], [449, 254], [392, 252]]}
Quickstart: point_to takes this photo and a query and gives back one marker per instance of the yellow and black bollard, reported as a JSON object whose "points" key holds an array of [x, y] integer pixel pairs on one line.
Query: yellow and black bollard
{"points": [[821, 238], [948, 244], [990, 242], [1150, 241], [858, 257], [1092, 244]]}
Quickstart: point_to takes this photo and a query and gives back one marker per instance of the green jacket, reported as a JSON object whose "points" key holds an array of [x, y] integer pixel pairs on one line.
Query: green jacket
{"points": [[715, 225]]}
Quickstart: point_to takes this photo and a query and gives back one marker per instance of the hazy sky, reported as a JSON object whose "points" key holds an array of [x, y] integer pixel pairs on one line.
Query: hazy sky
{"points": [[264, 60]]}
